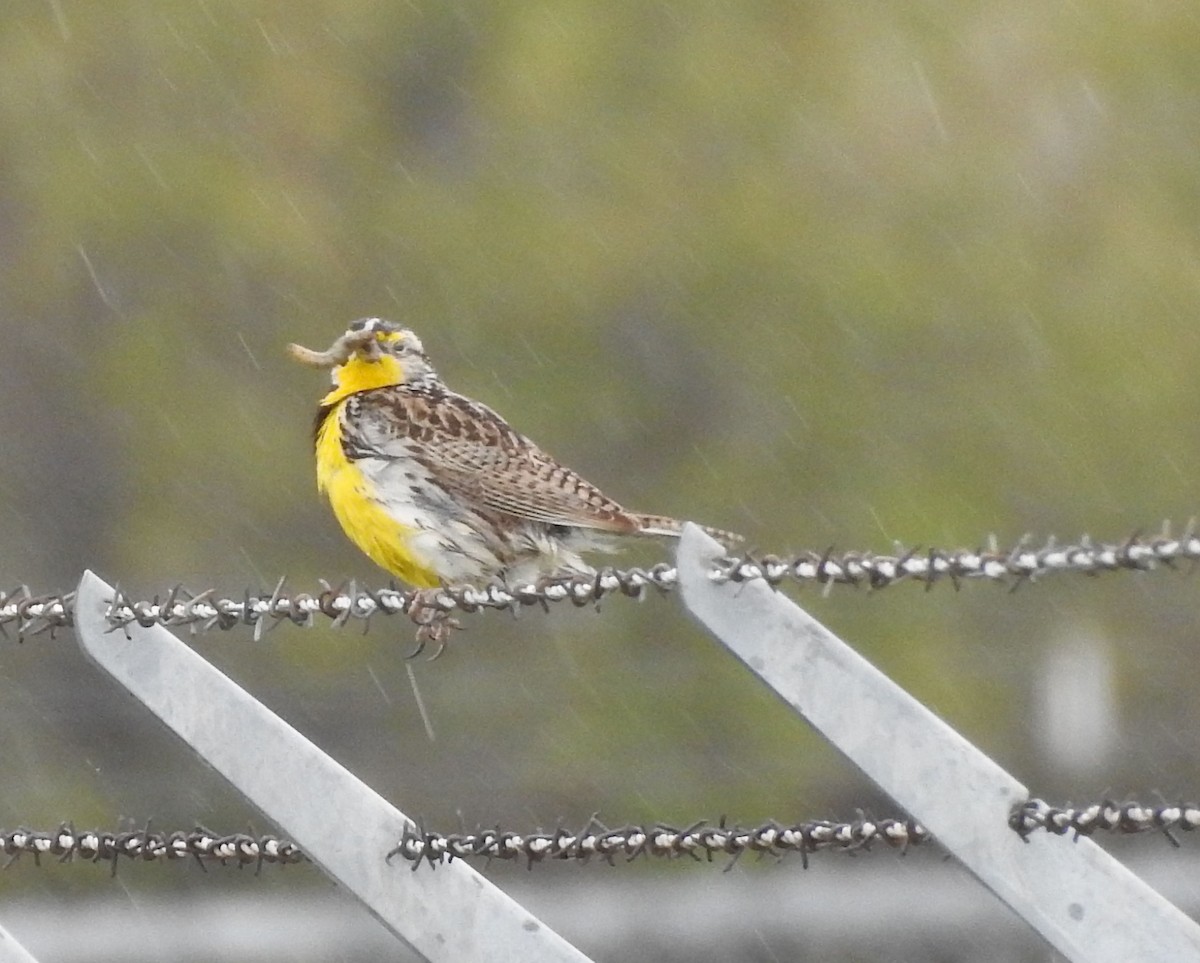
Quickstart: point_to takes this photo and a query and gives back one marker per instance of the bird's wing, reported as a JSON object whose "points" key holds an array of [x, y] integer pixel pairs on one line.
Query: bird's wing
{"points": [[473, 453]]}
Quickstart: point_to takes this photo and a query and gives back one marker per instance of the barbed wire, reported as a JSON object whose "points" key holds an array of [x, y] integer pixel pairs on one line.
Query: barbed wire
{"points": [[30, 614], [701, 840], [1127, 818], [705, 840], [65, 844]]}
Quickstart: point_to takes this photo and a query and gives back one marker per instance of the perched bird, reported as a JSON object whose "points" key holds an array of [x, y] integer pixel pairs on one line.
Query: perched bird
{"points": [[437, 488]]}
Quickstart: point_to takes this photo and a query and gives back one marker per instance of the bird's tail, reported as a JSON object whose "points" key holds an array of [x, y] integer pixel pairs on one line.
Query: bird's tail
{"points": [[672, 528]]}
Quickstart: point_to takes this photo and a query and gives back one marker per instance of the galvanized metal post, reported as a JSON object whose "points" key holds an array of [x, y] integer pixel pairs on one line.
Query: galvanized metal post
{"points": [[12, 951], [344, 826], [1082, 901]]}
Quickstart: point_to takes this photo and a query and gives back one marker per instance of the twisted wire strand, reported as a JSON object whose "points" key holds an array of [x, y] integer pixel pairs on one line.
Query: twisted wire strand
{"points": [[1127, 818], [65, 844], [701, 840], [31, 614]]}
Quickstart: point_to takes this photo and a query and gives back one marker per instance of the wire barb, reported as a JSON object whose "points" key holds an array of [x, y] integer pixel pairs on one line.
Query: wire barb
{"points": [[33, 614]]}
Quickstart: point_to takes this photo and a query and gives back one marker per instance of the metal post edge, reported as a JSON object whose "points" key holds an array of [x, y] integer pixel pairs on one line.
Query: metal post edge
{"points": [[11, 950]]}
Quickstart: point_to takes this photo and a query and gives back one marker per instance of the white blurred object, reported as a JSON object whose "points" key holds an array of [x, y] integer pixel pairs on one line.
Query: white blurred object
{"points": [[1077, 713]]}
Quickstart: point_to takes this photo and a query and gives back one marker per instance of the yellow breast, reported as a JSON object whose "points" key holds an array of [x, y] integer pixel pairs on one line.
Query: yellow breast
{"points": [[364, 520]]}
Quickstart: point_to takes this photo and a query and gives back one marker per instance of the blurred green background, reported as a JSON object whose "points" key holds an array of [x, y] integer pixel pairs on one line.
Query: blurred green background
{"points": [[826, 274]]}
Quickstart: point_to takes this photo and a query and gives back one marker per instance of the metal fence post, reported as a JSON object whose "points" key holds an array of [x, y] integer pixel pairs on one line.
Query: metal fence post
{"points": [[1085, 903], [344, 826], [12, 951]]}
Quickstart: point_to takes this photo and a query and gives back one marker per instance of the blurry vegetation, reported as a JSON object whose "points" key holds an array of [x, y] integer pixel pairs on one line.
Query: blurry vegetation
{"points": [[822, 273]]}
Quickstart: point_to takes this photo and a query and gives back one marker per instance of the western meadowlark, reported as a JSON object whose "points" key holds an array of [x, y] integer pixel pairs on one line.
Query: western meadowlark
{"points": [[437, 488]]}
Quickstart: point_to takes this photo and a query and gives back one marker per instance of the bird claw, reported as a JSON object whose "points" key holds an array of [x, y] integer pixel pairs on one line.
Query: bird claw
{"points": [[438, 632], [434, 623]]}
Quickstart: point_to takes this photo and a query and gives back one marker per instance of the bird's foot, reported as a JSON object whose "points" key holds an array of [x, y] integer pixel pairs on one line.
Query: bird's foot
{"points": [[434, 623]]}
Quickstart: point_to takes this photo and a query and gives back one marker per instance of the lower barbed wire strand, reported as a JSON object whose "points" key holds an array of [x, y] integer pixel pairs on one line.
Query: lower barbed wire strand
{"points": [[1124, 818], [67, 844], [701, 840], [29, 614]]}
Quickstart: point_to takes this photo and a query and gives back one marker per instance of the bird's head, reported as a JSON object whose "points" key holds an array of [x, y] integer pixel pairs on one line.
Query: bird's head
{"points": [[373, 353]]}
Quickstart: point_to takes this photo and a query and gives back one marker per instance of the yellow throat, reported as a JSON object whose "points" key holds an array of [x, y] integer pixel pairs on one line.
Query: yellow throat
{"points": [[358, 374], [355, 505]]}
